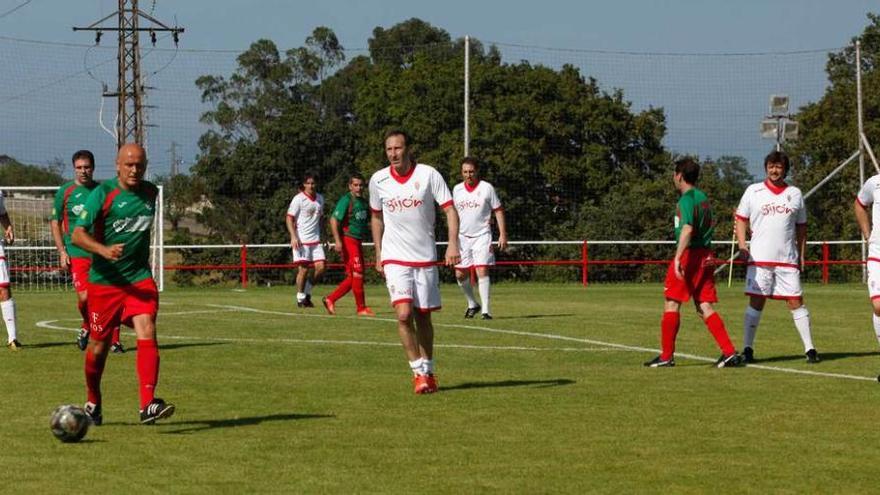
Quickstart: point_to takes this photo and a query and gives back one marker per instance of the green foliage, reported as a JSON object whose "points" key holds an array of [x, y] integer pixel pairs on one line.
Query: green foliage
{"points": [[15, 173]]}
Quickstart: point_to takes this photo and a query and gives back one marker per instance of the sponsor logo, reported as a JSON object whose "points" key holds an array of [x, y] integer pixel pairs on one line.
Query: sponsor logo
{"points": [[400, 204], [468, 204], [770, 209], [133, 224], [77, 209]]}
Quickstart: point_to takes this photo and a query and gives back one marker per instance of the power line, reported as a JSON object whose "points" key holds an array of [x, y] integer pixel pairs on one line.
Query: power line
{"points": [[14, 9]]}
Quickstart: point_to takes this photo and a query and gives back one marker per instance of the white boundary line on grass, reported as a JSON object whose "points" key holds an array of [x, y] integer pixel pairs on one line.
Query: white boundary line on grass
{"points": [[612, 345], [51, 325]]}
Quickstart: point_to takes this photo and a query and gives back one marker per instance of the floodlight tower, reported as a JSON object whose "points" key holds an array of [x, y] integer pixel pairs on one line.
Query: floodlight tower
{"points": [[779, 125], [130, 123]]}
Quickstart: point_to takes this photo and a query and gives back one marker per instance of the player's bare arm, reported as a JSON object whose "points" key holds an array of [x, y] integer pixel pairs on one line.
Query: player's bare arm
{"points": [[862, 219], [453, 254], [801, 235], [683, 240], [291, 228], [741, 227], [502, 229], [58, 237], [83, 239], [337, 237], [377, 227], [8, 231]]}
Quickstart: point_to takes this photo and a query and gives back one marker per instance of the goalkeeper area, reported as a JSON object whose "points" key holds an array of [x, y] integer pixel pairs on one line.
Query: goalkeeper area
{"points": [[550, 396]]}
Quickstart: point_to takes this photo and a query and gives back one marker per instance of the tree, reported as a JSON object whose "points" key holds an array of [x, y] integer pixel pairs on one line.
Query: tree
{"points": [[15, 173]]}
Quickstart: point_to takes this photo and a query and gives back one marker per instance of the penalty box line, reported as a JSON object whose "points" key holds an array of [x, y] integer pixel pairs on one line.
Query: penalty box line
{"points": [[612, 345]]}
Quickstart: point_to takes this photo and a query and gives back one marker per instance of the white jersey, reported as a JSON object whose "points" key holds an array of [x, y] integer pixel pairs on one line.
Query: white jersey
{"points": [[408, 211], [773, 214], [475, 206], [307, 212], [869, 195]]}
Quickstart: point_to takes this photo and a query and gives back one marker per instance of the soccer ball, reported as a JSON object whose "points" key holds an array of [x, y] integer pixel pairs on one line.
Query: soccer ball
{"points": [[69, 423]]}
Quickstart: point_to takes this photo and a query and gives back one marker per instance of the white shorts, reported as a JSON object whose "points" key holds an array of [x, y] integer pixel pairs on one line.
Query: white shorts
{"points": [[873, 271], [774, 282], [417, 285], [308, 254], [476, 252]]}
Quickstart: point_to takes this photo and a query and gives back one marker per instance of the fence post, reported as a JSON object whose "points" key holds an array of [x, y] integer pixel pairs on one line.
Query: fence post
{"points": [[584, 257], [826, 255], [243, 257]]}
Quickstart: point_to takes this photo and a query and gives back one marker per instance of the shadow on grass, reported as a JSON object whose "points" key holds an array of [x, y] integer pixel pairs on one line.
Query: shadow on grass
{"points": [[168, 347], [210, 424], [830, 356], [44, 345], [523, 317], [509, 383]]}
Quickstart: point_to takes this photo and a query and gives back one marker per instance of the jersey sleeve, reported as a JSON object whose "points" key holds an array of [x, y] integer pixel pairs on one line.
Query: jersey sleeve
{"points": [[866, 193], [58, 205], [342, 207], [91, 209], [802, 211], [375, 198], [293, 208], [440, 190], [744, 210], [494, 201]]}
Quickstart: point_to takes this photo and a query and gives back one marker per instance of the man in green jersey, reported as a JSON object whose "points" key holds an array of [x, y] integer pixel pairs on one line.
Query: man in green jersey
{"points": [[691, 273], [115, 225], [69, 201], [350, 225]]}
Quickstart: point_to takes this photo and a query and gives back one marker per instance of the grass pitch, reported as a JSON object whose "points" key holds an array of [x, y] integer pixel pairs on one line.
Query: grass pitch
{"points": [[550, 396]]}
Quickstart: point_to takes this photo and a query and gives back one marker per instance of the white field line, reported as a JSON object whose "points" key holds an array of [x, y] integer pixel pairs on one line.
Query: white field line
{"points": [[611, 345]]}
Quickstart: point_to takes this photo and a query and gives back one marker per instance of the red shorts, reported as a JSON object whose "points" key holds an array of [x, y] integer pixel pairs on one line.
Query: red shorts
{"points": [[111, 305], [699, 277], [79, 272], [352, 255]]}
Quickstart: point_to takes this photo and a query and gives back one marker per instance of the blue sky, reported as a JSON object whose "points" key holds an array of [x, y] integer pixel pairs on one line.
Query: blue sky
{"points": [[713, 103]]}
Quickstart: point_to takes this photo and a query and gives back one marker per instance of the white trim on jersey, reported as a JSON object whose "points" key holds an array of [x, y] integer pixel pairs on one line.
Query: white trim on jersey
{"points": [[408, 212], [307, 213], [773, 214], [475, 206]]}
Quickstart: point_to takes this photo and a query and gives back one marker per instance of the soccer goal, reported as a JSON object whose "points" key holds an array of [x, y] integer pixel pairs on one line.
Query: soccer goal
{"points": [[33, 261]]}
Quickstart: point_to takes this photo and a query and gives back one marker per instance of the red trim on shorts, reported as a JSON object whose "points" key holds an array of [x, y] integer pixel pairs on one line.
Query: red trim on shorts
{"points": [[411, 264], [774, 297], [777, 190], [774, 263], [314, 243], [874, 259], [402, 178], [740, 217], [4, 285], [428, 310], [863, 205], [401, 301], [375, 210], [483, 266], [2, 257], [875, 297], [446, 204]]}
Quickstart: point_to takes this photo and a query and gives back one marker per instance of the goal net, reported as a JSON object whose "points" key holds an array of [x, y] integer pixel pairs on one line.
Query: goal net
{"points": [[33, 260]]}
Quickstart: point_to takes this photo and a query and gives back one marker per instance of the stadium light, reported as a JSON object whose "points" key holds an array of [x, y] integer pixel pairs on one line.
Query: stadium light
{"points": [[779, 125]]}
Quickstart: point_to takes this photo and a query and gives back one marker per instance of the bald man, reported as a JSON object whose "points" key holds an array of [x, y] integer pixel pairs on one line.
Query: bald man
{"points": [[115, 226]]}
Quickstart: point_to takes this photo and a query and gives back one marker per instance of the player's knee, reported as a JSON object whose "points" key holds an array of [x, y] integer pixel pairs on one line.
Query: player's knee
{"points": [[5, 293], [404, 314], [877, 308]]}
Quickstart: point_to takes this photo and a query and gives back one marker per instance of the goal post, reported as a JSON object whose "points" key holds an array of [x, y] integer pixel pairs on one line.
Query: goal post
{"points": [[33, 261]]}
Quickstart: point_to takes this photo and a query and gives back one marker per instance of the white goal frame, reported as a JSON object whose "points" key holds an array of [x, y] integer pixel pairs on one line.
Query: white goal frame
{"points": [[43, 241]]}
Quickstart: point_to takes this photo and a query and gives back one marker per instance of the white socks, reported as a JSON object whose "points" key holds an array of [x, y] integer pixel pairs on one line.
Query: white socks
{"points": [[422, 366], [750, 326], [300, 296], [8, 310], [802, 322], [465, 285], [484, 293]]}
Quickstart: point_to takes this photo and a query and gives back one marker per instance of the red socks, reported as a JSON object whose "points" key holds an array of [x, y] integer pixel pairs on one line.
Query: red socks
{"points": [[147, 369], [94, 369], [716, 327], [357, 286], [668, 331], [341, 290]]}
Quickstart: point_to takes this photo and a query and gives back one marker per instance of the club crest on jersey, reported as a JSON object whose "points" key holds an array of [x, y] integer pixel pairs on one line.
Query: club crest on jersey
{"points": [[417, 185], [400, 204]]}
